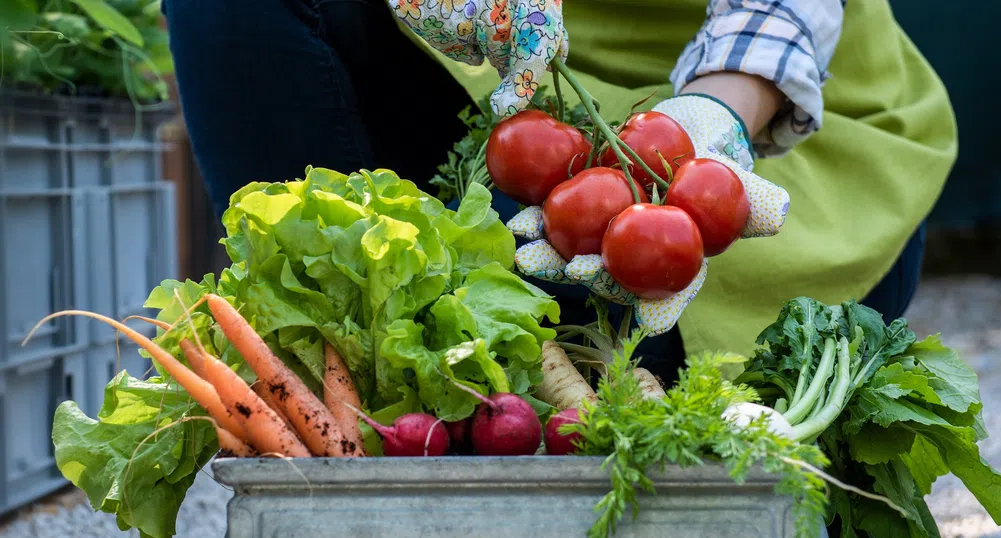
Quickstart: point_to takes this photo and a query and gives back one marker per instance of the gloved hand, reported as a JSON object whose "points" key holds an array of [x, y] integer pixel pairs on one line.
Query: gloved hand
{"points": [[518, 37], [717, 134]]}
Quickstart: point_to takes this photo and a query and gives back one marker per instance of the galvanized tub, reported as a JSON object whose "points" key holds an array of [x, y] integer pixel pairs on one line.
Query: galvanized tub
{"points": [[473, 497]]}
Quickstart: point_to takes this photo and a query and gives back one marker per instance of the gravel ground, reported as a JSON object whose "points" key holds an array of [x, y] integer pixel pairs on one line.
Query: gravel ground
{"points": [[966, 311]]}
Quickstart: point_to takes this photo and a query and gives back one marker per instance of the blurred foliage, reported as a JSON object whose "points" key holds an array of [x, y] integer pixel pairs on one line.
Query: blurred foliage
{"points": [[85, 47]]}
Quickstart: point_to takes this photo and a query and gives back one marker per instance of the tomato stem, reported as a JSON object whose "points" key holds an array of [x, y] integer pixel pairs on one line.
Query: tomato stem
{"points": [[667, 168], [595, 144], [641, 101], [561, 105], [591, 105], [682, 156]]}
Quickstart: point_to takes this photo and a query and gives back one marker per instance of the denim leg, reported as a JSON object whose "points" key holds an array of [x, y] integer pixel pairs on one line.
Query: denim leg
{"points": [[894, 293], [268, 87]]}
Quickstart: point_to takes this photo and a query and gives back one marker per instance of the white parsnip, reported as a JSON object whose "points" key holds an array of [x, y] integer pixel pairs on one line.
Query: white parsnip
{"points": [[562, 387], [649, 384]]}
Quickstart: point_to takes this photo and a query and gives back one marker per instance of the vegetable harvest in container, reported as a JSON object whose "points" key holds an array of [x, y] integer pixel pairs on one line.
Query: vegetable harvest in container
{"points": [[362, 318], [349, 296]]}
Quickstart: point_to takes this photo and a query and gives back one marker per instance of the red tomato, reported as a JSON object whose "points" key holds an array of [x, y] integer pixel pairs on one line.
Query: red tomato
{"points": [[647, 133], [530, 153], [714, 197], [653, 251], [576, 214]]}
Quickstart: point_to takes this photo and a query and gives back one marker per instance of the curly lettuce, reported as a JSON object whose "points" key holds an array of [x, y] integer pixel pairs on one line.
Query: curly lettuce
{"points": [[415, 297]]}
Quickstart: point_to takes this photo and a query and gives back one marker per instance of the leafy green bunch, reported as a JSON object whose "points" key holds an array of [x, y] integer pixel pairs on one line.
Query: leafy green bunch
{"points": [[893, 415], [118, 46], [416, 298], [687, 428]]}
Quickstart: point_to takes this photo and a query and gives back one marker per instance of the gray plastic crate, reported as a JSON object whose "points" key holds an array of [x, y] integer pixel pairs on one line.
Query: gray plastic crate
{"points": [[51, 142], [86, 222], [463, 497], [29, 395], [133, 248], [43, 252]]}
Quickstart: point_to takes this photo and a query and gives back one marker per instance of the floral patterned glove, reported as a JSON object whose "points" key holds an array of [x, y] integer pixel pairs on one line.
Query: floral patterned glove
{"points": [[717, 134], [518, 37]]}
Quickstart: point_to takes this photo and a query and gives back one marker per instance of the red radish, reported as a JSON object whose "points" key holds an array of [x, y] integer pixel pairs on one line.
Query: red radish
{"points": [[712, 194], [576, 213], [503, 425], [653, 251], [506, 425], [458, 434], [411, 435], [558, 444]]}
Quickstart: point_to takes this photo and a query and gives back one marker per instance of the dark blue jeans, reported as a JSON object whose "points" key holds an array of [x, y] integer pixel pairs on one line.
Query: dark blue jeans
{"points": [[270, 86]]}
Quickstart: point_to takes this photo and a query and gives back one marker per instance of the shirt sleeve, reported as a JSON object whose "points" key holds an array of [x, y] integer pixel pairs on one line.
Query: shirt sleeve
{"points": [[789, 42]]}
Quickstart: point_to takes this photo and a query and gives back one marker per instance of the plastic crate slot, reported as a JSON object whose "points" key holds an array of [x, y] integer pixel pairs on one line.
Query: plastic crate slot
{"points": [[68, 241]]}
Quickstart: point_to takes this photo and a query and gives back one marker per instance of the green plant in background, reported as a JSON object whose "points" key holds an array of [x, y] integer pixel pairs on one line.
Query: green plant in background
{"points": [[94, 47]]}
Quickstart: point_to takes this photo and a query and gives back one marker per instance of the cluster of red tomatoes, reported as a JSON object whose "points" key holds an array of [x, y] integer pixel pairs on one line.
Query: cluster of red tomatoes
{"points": [[651, 250]]}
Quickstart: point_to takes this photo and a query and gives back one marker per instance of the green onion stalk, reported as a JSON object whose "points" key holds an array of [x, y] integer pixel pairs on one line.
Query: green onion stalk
{"points": [[823, 387]]}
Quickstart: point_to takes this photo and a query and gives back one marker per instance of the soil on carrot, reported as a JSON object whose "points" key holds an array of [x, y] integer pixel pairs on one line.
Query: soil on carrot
{"points": [[243, 410], [279, 390]]}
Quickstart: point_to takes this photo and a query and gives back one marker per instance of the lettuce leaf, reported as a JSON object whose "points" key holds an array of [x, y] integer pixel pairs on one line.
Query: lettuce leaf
{"points": [[349, 257], [118, 462], [416, 298]]}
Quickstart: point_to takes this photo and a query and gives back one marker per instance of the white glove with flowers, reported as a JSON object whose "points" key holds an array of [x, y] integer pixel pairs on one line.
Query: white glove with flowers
{"points": [[518, 37], [720, 207]]}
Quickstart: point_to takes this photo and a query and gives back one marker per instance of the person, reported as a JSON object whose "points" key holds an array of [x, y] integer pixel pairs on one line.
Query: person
{"points": [[843, 112]]}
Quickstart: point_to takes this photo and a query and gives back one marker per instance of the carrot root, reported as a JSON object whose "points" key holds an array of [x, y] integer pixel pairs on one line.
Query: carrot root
{"points": [[266, 431], [161, 324], [231, 446], [339, 387], [313, 421], [269, 399], [203, 392], [194, 356]]}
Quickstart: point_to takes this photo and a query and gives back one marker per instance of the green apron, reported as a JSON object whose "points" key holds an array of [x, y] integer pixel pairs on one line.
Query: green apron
{"points": [[859, 187]]}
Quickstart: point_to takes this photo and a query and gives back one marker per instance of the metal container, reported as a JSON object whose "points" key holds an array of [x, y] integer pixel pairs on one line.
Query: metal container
{"points": [[486, 497]]}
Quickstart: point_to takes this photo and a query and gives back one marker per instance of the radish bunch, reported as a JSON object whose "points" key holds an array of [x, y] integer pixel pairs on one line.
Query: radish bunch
{"points": [[503, 424]]}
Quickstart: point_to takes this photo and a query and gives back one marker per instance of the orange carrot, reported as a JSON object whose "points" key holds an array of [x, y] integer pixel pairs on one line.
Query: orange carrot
{"points": [[231, 445], [338, 389], [202, 391], [194, 356], [262, 390], [313, 421], [161, 324], [265, 429]]}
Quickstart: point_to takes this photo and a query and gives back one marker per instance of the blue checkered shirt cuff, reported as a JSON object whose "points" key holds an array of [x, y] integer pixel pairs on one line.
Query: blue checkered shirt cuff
{"points": [[789, 42]]}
